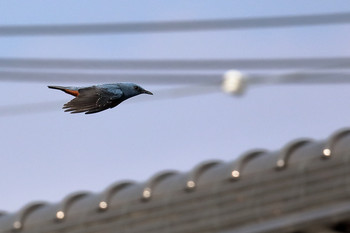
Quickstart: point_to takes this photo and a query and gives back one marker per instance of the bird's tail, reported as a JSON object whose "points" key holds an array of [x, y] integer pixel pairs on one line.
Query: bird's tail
{"points": [[69, 90], [57, 87]]}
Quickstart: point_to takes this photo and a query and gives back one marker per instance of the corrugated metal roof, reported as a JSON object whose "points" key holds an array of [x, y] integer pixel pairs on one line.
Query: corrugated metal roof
{"points": [[304, 186]]}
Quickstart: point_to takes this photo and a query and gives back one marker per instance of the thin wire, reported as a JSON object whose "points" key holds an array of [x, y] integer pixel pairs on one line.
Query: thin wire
{"points": [[252, 79], [50, 106], [176, 26], [175, 78], [28, 108], [308, 77], [155, 78], [176, 64]]}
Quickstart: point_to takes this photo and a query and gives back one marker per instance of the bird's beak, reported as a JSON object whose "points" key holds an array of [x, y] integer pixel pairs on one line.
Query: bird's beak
{"points": [[147, 92]]}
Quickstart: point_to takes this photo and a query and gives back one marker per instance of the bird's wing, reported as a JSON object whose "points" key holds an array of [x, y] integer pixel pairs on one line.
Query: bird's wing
{"points": [[93, 99]]}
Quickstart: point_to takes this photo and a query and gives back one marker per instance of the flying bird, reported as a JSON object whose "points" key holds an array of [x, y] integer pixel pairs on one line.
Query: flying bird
{"points": [[98, 98]]}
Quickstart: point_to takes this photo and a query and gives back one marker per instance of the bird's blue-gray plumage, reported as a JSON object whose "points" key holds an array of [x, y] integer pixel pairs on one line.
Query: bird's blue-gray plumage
{"points": [[98, 98]]}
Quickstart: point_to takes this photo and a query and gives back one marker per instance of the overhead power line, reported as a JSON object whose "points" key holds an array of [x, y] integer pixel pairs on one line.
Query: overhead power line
{"points": [[171, 78], [201, 88], [28, 108], [176, 26], [305, 77], [235, 82], [49, 106], [175, 78], [154, 78], [176, 64]]}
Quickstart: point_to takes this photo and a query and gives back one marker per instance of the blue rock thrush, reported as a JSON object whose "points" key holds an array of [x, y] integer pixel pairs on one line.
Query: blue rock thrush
{"points": [[98, 98]]}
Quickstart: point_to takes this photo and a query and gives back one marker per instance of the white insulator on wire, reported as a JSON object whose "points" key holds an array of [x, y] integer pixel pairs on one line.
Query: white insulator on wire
{"points": [[233, 82]]}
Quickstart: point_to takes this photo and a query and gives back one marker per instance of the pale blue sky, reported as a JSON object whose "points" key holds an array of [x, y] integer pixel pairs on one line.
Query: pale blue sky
{"points": [[47, 155]]}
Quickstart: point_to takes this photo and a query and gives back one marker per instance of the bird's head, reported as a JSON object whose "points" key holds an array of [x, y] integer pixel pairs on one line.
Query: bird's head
{"points": [[132, 89]]}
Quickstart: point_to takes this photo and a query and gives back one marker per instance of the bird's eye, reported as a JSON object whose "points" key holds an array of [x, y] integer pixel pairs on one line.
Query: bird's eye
{"points": [[136, 88]]}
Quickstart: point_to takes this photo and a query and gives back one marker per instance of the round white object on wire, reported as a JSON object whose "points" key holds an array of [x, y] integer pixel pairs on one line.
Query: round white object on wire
{"points": [[233, 82]]}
